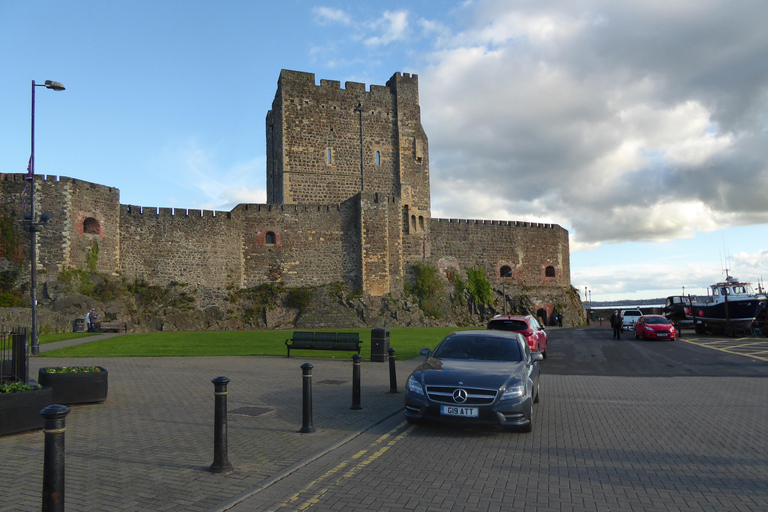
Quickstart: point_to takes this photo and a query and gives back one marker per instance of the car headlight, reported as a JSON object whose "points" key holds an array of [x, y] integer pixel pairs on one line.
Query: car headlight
{"points": [[515, 391], [414, 386]]}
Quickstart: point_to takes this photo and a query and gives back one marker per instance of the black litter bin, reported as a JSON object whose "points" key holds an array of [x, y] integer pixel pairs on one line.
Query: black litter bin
{"points": [[78, 325], [379, 345]]}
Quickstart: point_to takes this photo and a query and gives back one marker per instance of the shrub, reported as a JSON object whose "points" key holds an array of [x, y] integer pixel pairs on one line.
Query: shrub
{"points": [[11, 240], [427, 287], [479, 288], [17, 387], [92, 258], [72, 369], [299, 298]]}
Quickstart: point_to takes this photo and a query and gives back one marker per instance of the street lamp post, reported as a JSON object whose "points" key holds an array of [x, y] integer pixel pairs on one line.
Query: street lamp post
{"points": [[32, 223], [586, 299]]}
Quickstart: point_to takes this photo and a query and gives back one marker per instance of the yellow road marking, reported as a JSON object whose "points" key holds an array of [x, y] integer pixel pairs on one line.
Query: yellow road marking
{"points": [[315, 499], [727, 347]]}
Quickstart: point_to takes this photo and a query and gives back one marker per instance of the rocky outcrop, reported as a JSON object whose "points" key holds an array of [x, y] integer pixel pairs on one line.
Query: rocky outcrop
{"points": [[174, 308]]}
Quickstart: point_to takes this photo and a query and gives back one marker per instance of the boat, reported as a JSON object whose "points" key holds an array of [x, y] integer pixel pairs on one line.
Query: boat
{"points": [[731, 309]]}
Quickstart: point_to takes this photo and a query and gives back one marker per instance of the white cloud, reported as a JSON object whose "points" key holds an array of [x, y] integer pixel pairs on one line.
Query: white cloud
{"points": [[392, 26], [195, 168], [641, 121], [329, 16]]}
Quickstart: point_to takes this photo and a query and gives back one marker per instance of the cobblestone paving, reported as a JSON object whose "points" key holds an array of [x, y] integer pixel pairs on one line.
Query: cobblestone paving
{"points": [[149, 445], [600, 444]]}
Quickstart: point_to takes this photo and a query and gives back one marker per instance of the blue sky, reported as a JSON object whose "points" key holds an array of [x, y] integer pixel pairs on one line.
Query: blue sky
{"points": [[640, 127]]}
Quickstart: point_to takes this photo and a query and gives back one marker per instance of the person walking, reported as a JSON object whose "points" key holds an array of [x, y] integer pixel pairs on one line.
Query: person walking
{"points": [[616, 324]]}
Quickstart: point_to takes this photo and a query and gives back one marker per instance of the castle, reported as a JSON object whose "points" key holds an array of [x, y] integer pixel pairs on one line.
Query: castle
{"points": [[348, 200]]}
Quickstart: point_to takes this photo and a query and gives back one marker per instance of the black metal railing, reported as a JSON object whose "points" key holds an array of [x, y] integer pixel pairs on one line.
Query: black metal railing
{"points": [[14, 355]]}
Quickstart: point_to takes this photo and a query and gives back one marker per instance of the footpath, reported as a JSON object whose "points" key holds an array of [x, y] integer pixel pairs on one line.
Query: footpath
{"points": [[149, 446]]}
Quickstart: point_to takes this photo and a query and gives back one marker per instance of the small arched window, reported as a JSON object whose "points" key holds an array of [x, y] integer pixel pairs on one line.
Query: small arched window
{"points": [[91, 226], [270, 238], [549, 271], [413, 222], [328, 156], [421, 222], [505, 271], [378, 158]]}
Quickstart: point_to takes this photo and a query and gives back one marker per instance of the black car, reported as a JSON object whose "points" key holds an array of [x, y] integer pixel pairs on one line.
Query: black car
{"points": [[488, 377]]}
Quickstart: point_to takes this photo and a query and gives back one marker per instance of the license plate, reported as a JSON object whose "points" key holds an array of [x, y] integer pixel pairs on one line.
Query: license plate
{"points": [[469, 412], [661, 334]]}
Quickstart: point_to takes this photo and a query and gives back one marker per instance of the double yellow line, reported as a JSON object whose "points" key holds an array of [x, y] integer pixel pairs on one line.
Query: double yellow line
{"points": [[734, 346], [345, 469]]}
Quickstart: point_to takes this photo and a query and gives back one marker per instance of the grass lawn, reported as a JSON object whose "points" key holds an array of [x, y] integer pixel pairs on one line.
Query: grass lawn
{"points": [[407, 343], [53, 338]]}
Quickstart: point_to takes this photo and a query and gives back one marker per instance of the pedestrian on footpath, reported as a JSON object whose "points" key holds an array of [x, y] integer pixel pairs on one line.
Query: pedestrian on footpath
{"points": [[616, 324]]}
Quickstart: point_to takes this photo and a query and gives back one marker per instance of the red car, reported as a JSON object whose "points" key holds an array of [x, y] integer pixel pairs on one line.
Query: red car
{"points": [[655, 327], [527, 325]]}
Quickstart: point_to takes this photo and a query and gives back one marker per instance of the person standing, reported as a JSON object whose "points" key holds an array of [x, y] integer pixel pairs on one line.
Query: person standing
{"points": [[616, 324], [90, 318]]}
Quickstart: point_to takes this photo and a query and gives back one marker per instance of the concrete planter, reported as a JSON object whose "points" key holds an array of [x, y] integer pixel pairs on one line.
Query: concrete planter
{"points": [[76, 388], [20, 412]]}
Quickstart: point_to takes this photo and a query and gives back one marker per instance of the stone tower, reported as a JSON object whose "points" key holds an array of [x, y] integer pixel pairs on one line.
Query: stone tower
{"points": [[326, 145]]}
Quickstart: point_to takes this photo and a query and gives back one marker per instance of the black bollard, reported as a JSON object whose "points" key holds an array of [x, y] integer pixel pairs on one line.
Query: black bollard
{"points": [[306, 377], [53, 465], [392, 372], [356, 364], [221, 462]]}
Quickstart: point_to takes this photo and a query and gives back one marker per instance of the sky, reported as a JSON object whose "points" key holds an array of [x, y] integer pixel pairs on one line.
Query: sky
{"points": [[641, 127]]}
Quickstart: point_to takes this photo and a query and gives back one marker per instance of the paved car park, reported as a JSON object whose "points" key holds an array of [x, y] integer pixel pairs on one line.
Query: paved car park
{"points": [[622, 425]]}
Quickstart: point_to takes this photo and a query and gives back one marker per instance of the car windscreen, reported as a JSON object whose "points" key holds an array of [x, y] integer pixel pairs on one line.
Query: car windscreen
{"points": [[507, 325], [656, 320], [485, 348]]}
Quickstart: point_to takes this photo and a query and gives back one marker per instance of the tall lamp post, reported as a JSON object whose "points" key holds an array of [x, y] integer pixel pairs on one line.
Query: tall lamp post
{"points": [[586, 299], [31, 221]]}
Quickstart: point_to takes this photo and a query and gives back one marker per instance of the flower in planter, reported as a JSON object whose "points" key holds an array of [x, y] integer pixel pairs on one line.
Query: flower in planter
{"points": [[75, 384], [72, 369], [17, 387]]}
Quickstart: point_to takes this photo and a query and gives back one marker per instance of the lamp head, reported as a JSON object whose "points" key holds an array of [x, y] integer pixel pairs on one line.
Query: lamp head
{"points": [[46, 217], [56, 86]]}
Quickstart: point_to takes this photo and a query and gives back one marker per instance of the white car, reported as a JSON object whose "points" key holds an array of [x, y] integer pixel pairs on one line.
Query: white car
{"points": [[628, 319]]}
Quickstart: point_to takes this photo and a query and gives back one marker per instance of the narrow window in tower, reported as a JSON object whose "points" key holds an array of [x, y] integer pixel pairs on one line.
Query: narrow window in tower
{"points": [[421, 222], [328, 156], [549, 271], [413, 222], [378, 158], [270, 238]]}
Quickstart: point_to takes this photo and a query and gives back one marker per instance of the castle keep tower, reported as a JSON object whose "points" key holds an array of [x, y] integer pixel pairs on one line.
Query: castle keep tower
{"points": [[326, 145]]}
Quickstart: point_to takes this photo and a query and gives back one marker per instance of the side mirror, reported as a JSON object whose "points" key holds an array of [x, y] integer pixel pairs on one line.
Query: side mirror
{"points": [[425, 352], [537, 356]]}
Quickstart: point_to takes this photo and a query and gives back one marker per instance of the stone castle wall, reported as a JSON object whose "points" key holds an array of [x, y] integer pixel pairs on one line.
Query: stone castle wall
{"points": [[318, 227], [526, 248]]}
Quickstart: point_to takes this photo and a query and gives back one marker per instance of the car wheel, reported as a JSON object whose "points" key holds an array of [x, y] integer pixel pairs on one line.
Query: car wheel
{"points": [[527, 429], [536, 398], [544, 354], [636, 335]]}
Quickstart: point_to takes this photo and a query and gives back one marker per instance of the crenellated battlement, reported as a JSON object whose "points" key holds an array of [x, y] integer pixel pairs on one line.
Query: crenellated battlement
{"points": [[514, 223], [148, 211]]}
